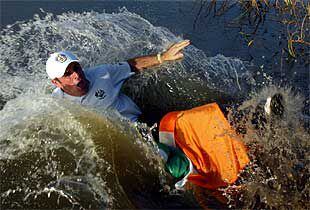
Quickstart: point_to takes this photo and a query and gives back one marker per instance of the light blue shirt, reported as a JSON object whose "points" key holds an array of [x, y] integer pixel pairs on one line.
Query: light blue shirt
{"points": [[104, 90]]}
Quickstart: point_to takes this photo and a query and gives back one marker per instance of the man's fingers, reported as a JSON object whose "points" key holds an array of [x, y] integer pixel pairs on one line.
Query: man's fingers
{"points": [[175, 51], [179, 46], [179, 56], [183, 43]]}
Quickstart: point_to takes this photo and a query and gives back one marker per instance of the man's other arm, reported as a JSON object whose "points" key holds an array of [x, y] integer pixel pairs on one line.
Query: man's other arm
{"points": [[174, 52]]}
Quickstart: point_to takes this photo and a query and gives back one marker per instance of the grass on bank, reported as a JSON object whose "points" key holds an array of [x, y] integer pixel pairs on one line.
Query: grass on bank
{"points": [[295, 15]]}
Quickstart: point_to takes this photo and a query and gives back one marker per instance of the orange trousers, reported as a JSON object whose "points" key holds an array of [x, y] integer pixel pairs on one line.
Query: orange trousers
{"points": [[207, 139]]}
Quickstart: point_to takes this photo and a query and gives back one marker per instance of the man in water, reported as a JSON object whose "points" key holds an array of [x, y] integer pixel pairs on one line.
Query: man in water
{"points": [[198, 145], [100, 86]]}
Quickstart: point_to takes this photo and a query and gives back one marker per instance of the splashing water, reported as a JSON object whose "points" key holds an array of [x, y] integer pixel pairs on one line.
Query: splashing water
{"points": [[63, 155], [106, 38], [278, 176], [54, 154]]}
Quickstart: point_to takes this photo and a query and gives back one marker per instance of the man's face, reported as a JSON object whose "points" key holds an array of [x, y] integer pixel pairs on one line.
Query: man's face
{"points": [[73, 82]]}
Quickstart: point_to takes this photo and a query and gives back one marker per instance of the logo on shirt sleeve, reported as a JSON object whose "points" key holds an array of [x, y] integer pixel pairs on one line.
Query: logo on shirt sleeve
{"points": [[100, 94]]}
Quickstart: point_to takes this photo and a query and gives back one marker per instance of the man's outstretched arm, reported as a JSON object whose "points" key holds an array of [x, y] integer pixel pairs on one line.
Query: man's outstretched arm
{"points": [[173, 53]]}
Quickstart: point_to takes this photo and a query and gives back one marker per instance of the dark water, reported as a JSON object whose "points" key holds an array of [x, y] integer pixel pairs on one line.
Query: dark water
{"points": [[58, 155]]}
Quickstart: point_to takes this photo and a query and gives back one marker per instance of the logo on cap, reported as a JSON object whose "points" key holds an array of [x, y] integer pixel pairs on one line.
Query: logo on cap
{"points": [[61, 58]]}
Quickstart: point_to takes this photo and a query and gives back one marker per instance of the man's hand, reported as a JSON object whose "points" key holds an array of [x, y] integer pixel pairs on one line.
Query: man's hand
{"points": [[175, 51]]}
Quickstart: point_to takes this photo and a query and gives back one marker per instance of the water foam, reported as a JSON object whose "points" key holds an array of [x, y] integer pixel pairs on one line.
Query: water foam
{"points": [[98, 38], [278, 147]]}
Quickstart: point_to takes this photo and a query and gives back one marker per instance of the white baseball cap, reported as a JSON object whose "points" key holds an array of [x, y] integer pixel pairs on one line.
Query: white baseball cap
{"points": [[58, 62]]}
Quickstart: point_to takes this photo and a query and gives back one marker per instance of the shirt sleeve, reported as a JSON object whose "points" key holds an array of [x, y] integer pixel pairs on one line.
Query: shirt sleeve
{"points": [[119, 72]]}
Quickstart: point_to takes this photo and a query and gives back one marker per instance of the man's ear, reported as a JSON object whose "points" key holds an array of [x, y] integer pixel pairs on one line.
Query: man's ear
{"points": [[57, 83]]}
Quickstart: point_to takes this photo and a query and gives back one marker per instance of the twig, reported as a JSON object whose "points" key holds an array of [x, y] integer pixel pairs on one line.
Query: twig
{"points": [[302, 26], [199, 12], [301, 41]]}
